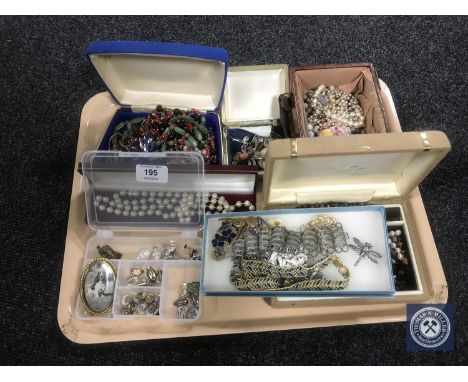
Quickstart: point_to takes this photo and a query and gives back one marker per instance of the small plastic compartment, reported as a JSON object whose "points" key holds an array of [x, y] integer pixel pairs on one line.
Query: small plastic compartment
{"points": [[145, 301], [176, 273], [130, 270]]}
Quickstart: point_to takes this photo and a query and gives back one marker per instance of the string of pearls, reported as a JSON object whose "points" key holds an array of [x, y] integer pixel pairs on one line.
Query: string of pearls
{"points": [[219, 204], [138, 204], [331, 111]]}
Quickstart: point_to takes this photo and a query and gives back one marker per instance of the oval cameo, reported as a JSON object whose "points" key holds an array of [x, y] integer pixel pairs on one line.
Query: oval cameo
{"points": [[97, 286]]}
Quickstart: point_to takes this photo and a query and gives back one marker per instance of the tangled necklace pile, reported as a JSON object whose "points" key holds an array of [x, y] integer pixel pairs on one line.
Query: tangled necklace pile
{"points": [[166, 130], [331, 111]]}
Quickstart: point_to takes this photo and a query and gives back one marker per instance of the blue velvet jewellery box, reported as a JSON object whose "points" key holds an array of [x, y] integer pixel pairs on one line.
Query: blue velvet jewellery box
{"points": [[141, 75]]}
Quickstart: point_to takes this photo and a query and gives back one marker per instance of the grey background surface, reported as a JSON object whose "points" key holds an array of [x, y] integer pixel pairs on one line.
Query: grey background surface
{"points": [[45, 79]]}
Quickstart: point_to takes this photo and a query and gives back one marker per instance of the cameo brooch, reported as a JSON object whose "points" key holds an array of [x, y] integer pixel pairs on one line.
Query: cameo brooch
{"points": [[97, 286]]}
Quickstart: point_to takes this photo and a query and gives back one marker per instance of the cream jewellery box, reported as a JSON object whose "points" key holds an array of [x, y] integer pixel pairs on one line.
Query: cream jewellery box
{"points": [[374, 169], [141, 75], [251, 105]]}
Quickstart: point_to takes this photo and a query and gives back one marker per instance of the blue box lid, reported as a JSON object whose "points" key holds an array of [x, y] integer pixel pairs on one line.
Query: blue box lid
{"points": [[143, 74]]}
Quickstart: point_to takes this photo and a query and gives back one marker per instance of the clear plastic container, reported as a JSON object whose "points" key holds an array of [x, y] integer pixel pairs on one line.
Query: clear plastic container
{"points": [[150, 192], [174, 273], [143, 191]]}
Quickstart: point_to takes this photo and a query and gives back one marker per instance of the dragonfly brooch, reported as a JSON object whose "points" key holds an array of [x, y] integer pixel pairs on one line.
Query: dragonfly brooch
{"points": [[364, 250]]}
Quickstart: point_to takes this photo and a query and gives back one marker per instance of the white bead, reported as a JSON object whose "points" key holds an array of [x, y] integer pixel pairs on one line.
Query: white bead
{"points": [[112, 203], [134, 201], [150, 212], [141, 213], [135, 207], [219, 208], [174, 200], [165, 216], [247, 203], [158, 212], [126, 201], [232, 208], [105, 199], [110, 210], [102, 207], [96, 203], [238, 204], [123, 193], [152, 194], [211, 207], [143, 207], [99, 198], [144, 193], [125, 213], [172, 215], [116, 196], [117, 211], [251, 207]]}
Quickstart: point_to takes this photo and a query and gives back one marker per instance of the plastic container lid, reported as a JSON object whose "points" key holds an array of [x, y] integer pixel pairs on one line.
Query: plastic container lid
{"points": [[144, 191]]}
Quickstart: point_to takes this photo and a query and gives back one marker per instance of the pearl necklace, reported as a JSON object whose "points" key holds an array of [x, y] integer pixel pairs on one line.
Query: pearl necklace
{"points": [[332, 107], [219, 204], [166, 205]]}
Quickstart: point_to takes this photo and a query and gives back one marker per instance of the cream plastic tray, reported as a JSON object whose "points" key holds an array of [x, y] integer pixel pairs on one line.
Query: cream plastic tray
{"points": [[222, 315]]}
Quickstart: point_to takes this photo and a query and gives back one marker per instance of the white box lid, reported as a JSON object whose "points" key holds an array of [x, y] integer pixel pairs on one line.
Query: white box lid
{"points": [[251, 94]]}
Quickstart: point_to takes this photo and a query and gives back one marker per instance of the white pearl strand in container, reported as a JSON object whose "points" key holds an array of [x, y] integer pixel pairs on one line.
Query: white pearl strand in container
{"points": [[167, 205], [332, 106], [219, 204]]}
